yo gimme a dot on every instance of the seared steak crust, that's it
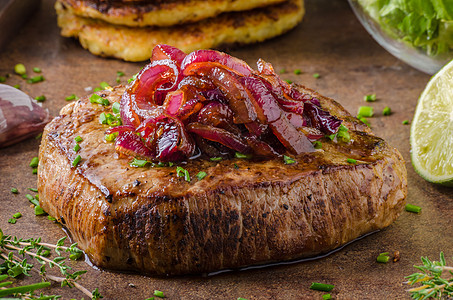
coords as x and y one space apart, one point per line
242 213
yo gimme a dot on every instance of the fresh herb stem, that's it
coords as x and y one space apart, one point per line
413 208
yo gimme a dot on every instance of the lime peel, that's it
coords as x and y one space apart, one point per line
431 135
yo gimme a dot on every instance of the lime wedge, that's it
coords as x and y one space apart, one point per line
432 129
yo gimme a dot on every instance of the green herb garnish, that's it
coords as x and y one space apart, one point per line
116 107
386 111
405 122
13 248
76 161
139 163
201 175
352 161
95 98
78 139
432 280
297 71
72 97
36 79
41 98
316 75
76 148
413 208
215 158
365 111
14 191
321 287
34 162
370 98
242 155
383 258
37 70
181 172
317 145
288 160
159 294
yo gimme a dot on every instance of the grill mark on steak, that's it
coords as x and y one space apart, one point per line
258 213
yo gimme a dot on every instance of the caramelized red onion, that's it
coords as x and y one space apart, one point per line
212 101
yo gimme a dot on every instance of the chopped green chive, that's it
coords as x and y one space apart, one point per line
201 175
297 71
36 79
41 98
282 71
109 119
97 89
72 97
316 75
352 161
365 111
32 199
370 98
240 298
386 111
37 70
364 120
413 208
288 160
2 78
111 137
215 158
33 190
12 221
289 81
34 162
405 122
38 136
116 107
383 258
159 294
14 191
24 76
17 215
104 85
150 298
321 287
317 145
132 78
236 166
20 69
34 171
39 211
343 134
241 155
78 139
76 148
76 161
119 73
17 86
51 218
180 172
138 163
95 98
326 297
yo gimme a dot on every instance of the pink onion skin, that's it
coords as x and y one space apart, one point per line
129 143
161 52
199 56
238 97
219 135
20 116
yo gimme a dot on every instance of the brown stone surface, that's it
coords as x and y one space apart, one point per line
331 42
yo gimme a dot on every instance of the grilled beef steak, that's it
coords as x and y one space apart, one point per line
242 213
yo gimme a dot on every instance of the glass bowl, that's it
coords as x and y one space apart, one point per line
394 41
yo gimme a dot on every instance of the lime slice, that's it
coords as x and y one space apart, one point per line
432 129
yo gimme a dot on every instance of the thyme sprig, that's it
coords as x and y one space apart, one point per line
15 253
434 283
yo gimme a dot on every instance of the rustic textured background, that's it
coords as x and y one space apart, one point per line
329 41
